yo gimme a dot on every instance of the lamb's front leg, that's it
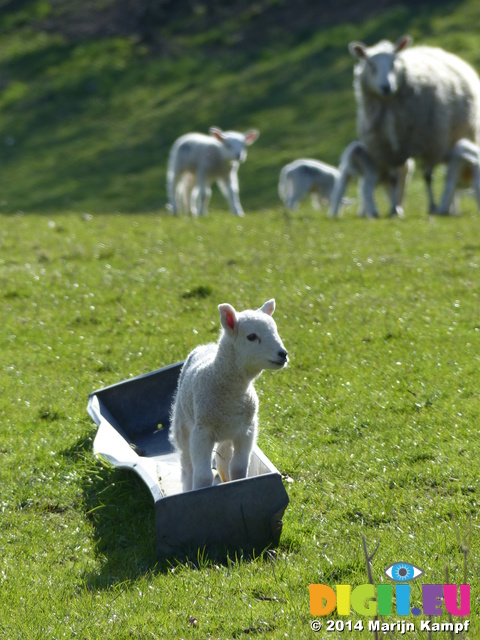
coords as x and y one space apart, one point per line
201 448
242 448
231 191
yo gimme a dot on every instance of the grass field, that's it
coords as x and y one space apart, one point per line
374 424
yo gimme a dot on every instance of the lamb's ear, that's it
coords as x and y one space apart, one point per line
251 136
358 50
228 318
402 43
268 307
216 133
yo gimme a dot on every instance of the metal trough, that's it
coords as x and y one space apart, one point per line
133 424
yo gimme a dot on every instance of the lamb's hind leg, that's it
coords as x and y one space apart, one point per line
187 470
223 456
180 439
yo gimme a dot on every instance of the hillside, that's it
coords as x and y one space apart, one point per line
93 94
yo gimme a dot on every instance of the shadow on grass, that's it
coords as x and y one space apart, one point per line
121 510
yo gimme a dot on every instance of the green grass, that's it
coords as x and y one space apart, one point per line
374 424
87 126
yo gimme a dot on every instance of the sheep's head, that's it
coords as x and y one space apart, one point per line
379 67
234 143
255 338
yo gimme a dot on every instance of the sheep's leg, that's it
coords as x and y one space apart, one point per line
315 201
427 174
362 211
202 194
230 189
464 152
367 187
393 189
223 456
187 470
299 187
291 200
172 191
398 190
338 192
476 183
242 448
194 202
293 195
453 173
201 448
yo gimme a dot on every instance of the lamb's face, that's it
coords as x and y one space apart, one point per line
234 146
233 143
257 343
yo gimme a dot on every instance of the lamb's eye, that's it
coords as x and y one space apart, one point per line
252 337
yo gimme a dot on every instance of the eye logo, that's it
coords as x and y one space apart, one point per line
403 572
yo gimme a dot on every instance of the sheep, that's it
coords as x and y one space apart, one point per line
215 401
463 168
304 176
356 162
196 160
414 103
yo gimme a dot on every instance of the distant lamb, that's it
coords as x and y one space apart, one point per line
414 103
463 169
357 163
215 401
304 176
196 160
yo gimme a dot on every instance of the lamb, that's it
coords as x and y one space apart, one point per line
216 402
304 176
414 103
356 162
196 160
463 168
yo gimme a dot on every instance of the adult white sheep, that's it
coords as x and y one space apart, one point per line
414 103
216 402
196 160
304 176
356 162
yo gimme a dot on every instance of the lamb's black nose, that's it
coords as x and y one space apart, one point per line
283 354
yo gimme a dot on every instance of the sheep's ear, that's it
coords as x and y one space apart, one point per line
251 136
268 307
358 50
216 133
228 318
402 43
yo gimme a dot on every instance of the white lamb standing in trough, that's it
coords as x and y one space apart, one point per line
415 103
215 401
356 162
197 160
301 177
